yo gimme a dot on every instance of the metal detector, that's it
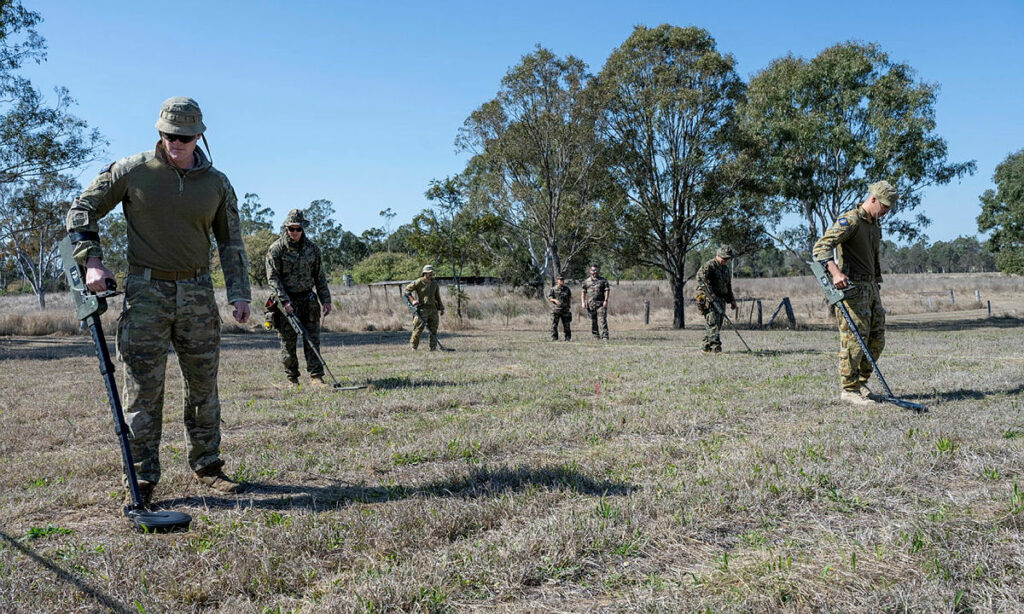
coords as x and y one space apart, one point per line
89 306
301 331
721 310
835 296
415 309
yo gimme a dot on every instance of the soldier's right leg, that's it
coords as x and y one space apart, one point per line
709 324
593 321
417 330
143 340
289 358
602 316
555 317
851 355
434 322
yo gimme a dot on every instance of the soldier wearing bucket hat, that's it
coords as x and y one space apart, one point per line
849 250
714 289
428 299
295 271
173 200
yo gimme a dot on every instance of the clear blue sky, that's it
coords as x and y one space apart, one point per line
360 102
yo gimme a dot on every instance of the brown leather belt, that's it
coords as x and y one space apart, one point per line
166 275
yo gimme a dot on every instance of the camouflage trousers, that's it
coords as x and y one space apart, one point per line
598 315
565 317
307 310
418 325
865 307
713 327
155 316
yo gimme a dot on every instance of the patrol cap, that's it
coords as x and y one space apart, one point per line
884 192
295 218
725 251
428 269
181 115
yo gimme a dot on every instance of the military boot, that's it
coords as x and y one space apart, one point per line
853 397
145 490
213 476
317 380
293 380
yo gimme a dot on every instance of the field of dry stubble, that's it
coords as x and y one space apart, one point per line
516 474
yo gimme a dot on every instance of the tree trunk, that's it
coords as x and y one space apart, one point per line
678 283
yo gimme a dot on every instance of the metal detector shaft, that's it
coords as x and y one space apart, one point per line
120 426
724 315
835 296
419 314
301 331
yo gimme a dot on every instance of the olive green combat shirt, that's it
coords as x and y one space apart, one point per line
294 268
428 294
170 215
715 277
855 239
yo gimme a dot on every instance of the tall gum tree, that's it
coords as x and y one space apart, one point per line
830 126
537 163
668 98
1002 212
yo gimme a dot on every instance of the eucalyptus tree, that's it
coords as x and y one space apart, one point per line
1002 213
537 164
668 98
830 126
32 224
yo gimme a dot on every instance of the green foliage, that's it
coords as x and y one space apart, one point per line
669 97
824 129
383 266
48 530
961 255
257 244
1002 213
254 216
325 232
538 164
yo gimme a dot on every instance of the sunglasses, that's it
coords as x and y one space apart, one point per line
294 229
179 137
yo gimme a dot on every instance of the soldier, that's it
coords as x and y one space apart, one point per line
715 282
173 199
293 270
428 298
594 298
560 297
855 238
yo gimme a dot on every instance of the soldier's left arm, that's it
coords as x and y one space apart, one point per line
227 229
440 305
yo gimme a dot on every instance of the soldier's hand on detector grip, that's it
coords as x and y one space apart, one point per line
840 281
241 311
734 305
288 308
96 275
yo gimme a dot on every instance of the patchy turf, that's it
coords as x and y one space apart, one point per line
517 474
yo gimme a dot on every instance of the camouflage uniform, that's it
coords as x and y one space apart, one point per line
715 280
168 295
856 238
562 312
294 269
428 294
595 292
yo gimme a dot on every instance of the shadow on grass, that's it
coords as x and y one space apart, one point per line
388 383
966 395
480 482
953 325
75 580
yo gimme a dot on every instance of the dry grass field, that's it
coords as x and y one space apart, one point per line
520 475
